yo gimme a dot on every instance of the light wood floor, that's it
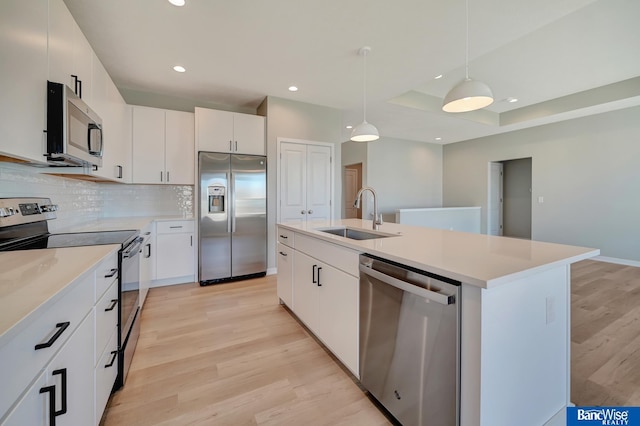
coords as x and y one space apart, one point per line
230 355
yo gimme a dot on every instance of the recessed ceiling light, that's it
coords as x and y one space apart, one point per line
177 2
437 77
179 68
438 139
293 89
512 100
349 127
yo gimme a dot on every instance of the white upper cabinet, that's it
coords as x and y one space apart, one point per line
70 53
163 146
23 66
223 131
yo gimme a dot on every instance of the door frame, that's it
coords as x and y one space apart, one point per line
279 141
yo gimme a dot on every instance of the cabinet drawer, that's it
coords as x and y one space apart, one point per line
106 319
21 361
106 274
105 374
173 227
332 254
286 237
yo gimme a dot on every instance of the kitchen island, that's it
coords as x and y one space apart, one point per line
515 304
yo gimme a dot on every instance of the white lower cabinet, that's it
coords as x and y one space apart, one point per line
325 298
175 253
147 262
66 382
106 371
285 274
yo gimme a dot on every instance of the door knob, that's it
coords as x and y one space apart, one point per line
310 211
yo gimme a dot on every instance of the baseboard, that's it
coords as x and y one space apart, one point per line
559 419
272 271
617 260
172 281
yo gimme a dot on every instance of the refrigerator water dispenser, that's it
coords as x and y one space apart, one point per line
216 198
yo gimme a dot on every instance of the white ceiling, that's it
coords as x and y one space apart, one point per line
237 52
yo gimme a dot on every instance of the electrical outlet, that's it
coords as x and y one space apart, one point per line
551 309
540 199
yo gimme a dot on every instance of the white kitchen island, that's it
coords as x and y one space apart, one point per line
515 306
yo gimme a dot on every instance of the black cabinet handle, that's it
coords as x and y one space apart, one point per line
80 91
51 390
75 84
114 302
236 146
313 274
113 359
63 389
192 241
283 253
284 237
148 248
62 326
319 269
111 273
119 172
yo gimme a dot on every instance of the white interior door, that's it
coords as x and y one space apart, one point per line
494 216
318 182
293 182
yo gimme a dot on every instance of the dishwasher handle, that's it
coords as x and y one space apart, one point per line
443 299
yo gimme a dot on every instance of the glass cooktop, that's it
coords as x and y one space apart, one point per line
73 240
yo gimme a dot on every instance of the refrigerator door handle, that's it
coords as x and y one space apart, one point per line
228 200
232 182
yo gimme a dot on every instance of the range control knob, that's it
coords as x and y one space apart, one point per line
6 211
48 208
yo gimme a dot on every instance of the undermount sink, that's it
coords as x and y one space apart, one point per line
355 234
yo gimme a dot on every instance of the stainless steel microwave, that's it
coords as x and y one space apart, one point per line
74 131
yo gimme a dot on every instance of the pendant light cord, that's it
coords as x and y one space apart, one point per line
364 85
466 55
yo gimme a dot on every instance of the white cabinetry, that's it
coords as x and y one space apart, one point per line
325 294
50 367
163 146
306 172
285 247
23 66
147 260
224 131
70 54
175 254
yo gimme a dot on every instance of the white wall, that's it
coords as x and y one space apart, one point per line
586 169
404 174
82 201
297 120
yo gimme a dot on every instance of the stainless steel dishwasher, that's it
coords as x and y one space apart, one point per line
410 342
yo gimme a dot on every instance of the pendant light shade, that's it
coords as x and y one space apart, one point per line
364 132
468 95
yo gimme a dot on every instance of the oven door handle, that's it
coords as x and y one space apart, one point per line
133 249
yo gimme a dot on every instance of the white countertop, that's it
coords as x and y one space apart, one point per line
477 259
32 279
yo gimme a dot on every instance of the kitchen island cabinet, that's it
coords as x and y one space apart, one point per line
515 335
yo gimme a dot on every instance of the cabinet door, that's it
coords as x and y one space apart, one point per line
214 130
75 360
338 317
318 190
305 291
285 274
148 145
82 63
248 134
33 408
293 183
23 67
61 43
179 147
175 255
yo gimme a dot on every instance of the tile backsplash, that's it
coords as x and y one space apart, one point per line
81 201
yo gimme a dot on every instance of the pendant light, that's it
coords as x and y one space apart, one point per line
364 132
468 95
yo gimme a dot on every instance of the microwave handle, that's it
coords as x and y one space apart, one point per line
94 127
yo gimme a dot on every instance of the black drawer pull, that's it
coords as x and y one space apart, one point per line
111 273
319 269
283 253
284 236
114 302
63 389
175 227
62 326
313 274
113 359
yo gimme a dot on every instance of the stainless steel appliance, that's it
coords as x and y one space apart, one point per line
232 217
410 342
74 131
23 226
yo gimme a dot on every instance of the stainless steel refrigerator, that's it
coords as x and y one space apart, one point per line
232 217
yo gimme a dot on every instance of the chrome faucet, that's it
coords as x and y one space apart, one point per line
377 221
